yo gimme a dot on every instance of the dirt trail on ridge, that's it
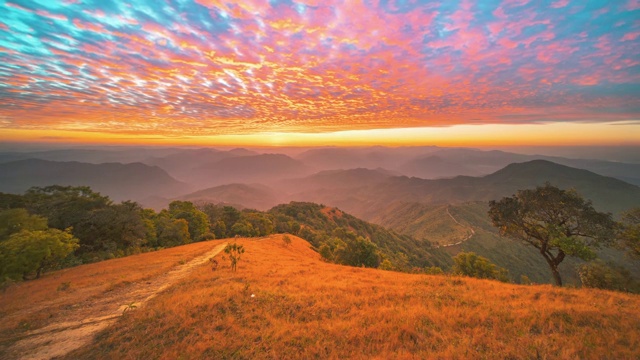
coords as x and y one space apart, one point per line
470 233
78 328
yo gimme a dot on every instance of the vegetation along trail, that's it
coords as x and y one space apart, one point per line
71 330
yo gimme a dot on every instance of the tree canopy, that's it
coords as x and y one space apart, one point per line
27 251
630 232
470 264
558 223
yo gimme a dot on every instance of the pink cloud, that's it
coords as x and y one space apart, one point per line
560 4
631 36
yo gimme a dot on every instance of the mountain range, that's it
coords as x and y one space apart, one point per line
133 181
440 204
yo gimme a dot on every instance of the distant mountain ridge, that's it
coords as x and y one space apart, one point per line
607 194
428 162
262 168
134 181
257 197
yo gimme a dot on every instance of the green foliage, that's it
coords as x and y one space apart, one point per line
15 220
243 228
235 252
197 221
171 232
27 252
629 236
12 201
358 252
320 225
114 228
64 206
433 270
597 274
286 240
386 265
470 264
556 222
524 280
128 307
261 223
326 252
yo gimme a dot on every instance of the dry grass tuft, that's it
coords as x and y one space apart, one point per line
284 302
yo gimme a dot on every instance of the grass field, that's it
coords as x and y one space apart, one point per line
285 303
33 304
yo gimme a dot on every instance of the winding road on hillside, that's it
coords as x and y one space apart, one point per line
78 328
471 233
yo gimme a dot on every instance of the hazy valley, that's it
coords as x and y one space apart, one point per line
417 209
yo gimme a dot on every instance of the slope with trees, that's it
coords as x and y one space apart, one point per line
558 223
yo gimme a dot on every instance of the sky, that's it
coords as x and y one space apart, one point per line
321 72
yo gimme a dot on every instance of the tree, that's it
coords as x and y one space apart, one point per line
358 252
629 236
470 264
36 251
15 220
64 206
243 228
235 251
554 221
262 223
114 228
171 232
197 220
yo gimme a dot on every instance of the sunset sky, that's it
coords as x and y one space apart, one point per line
321 72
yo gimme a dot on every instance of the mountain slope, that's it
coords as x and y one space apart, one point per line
181 164
320 223
433 167
336 179
263 168
284 302
607 194
249 196
133 181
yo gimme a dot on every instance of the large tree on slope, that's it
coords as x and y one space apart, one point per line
558 223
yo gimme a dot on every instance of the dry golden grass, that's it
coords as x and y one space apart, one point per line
285 303
31 305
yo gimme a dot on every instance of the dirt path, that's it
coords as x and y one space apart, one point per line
78 328
471 233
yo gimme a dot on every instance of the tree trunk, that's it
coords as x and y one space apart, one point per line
553 264
556 275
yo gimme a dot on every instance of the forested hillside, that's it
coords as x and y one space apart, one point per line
77 225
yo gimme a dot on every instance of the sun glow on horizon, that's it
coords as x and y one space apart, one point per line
553 134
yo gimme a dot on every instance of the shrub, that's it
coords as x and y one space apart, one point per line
597 274
286 240
470 264
235 251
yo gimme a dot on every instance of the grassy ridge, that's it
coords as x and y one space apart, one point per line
50 296
284 302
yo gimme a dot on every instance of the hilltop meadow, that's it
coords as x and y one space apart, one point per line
284 301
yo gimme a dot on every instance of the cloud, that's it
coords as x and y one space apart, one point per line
221 67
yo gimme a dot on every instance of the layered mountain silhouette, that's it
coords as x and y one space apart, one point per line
263 168
254 196
607 194
133 181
